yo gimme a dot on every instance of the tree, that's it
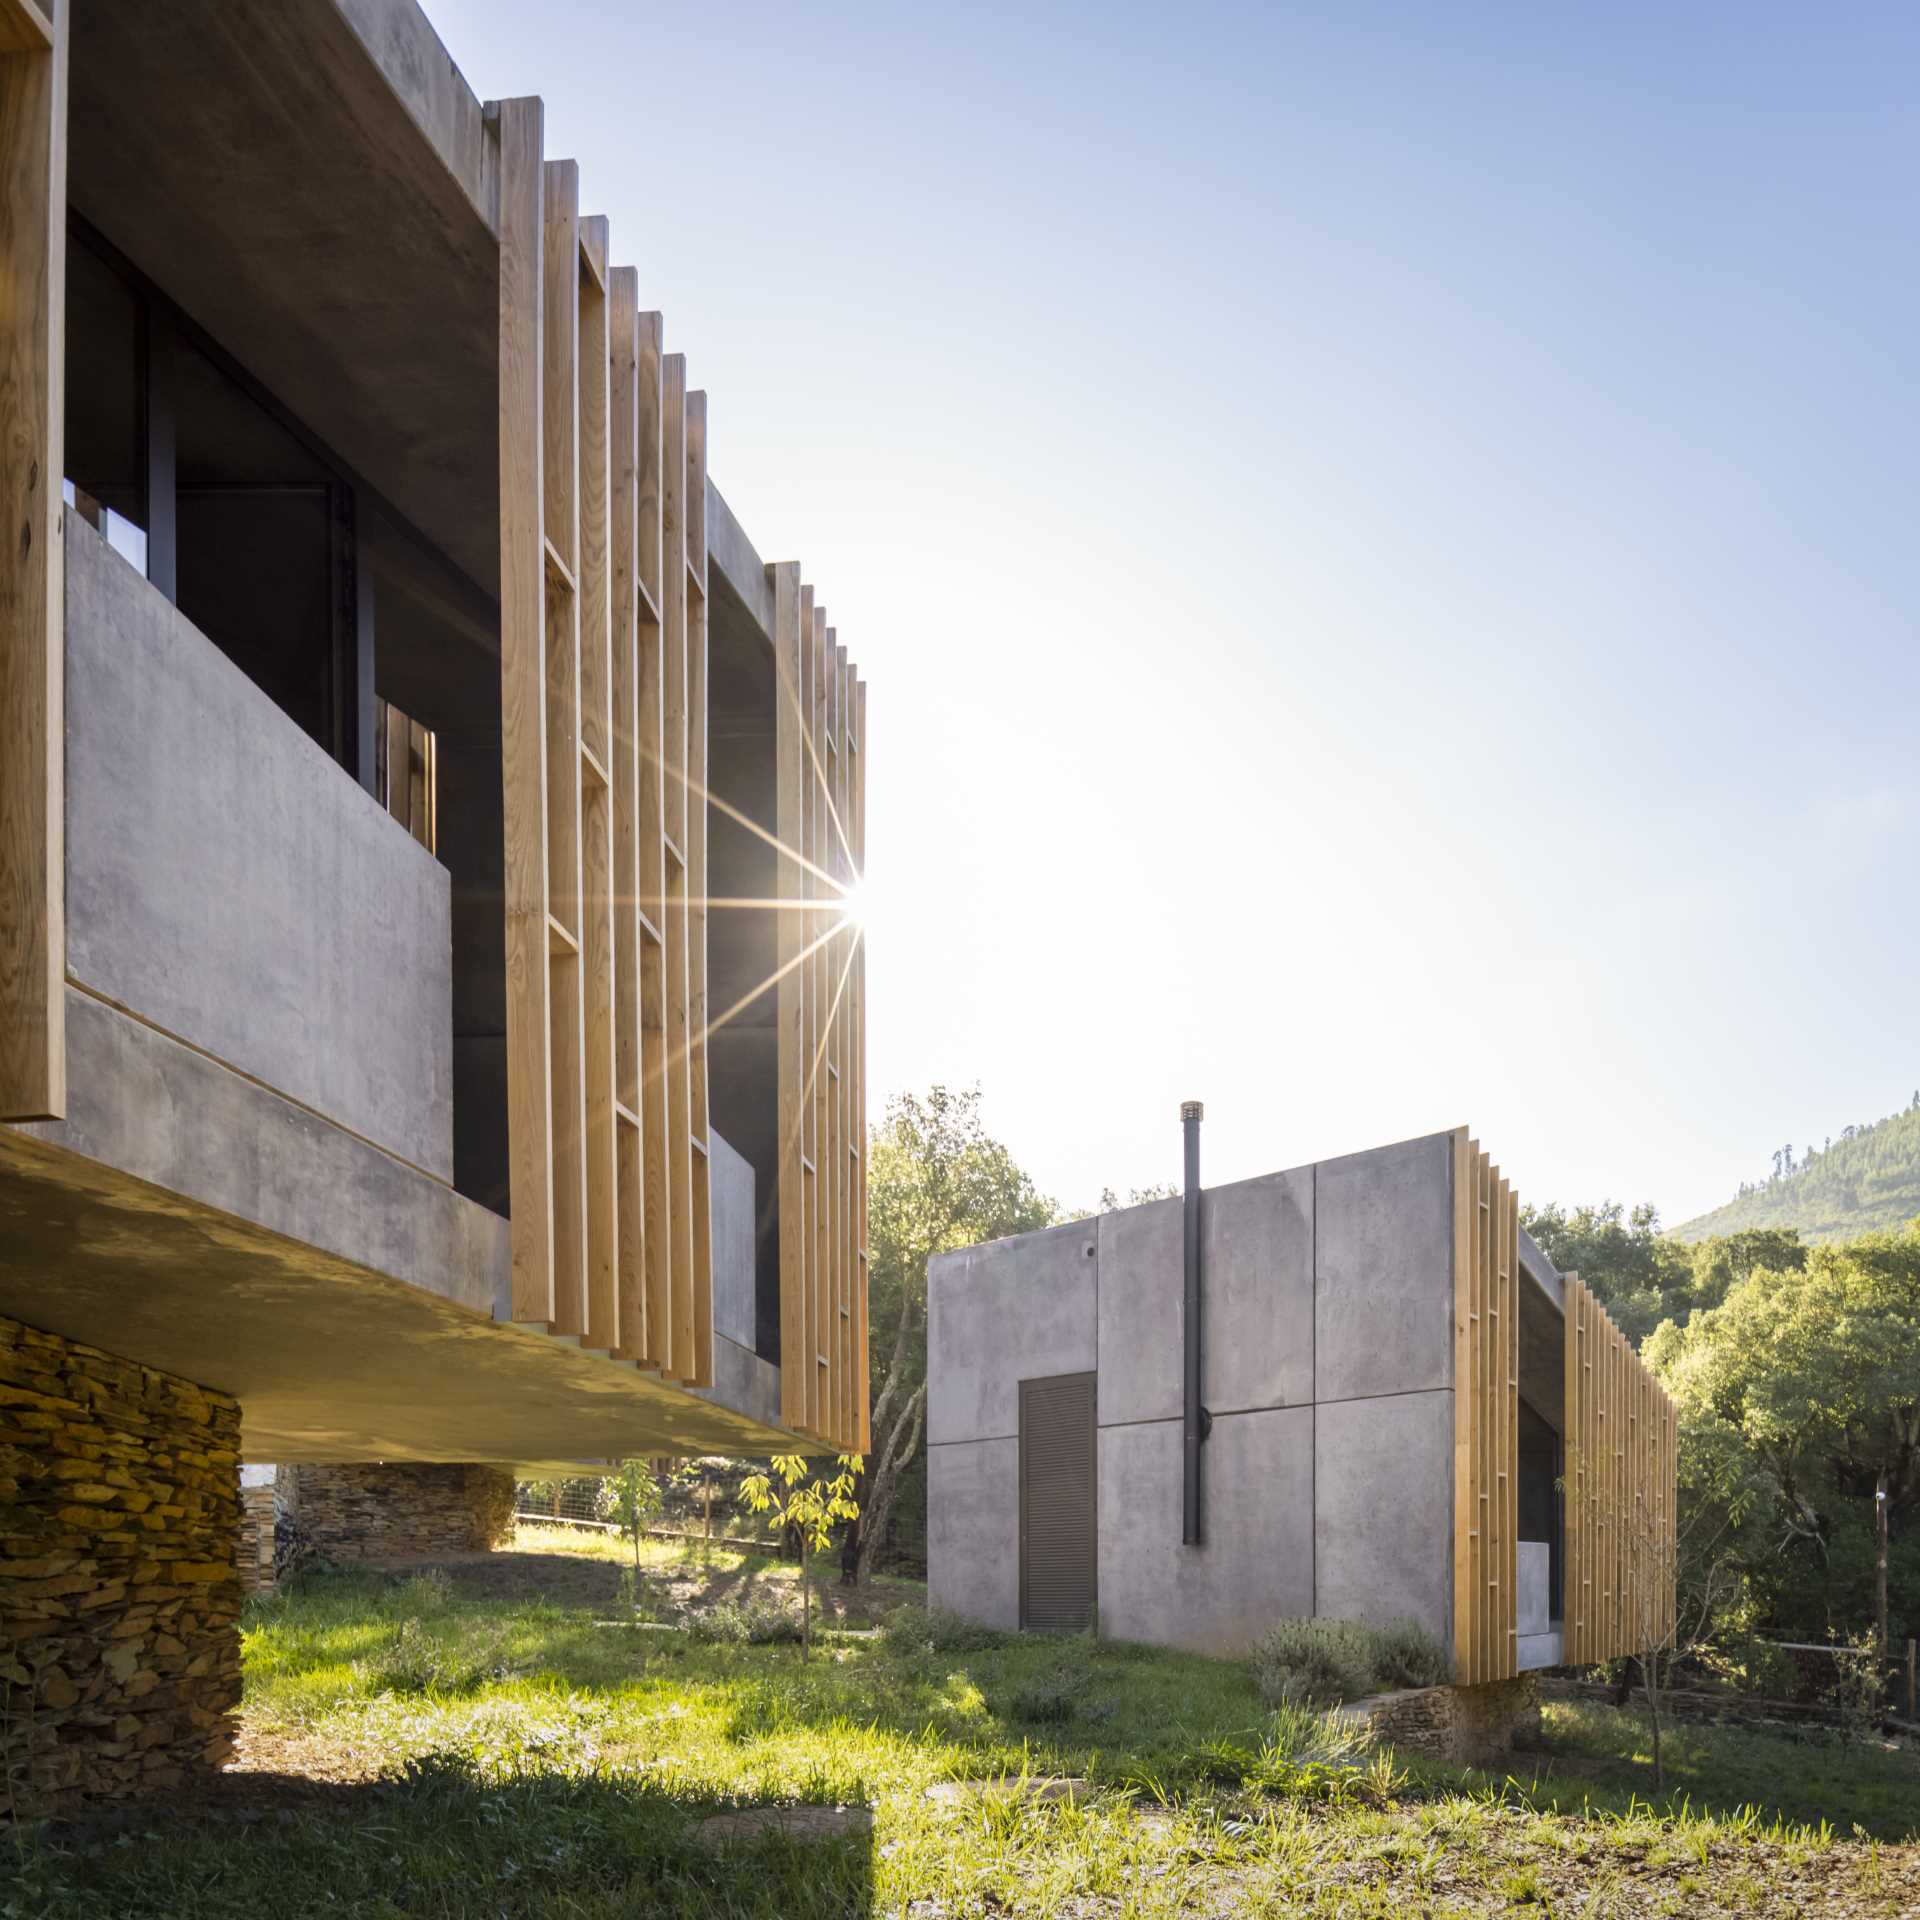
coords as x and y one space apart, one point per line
630 1497
1110 1202
1810 1378
810 1507
936 1180
1638 1276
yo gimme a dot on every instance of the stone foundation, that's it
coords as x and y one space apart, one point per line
257 1538
401 1511
119 1595
1464 1726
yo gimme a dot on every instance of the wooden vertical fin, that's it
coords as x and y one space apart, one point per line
33 267
623 319
594 581
792 936
696 852
523 726
863 1381
566 987
683 1363
649 398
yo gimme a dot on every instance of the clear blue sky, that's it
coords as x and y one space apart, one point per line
1382 539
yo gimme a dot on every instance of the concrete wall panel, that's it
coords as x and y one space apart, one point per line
1383 1309
1258 1252
973 1530
1383 1510
1141 1323
1011 1310
731 1184
229 883
1257 1562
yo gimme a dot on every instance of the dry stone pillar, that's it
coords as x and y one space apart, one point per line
402 1510
119 1591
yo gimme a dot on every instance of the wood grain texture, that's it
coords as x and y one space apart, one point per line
523 727
863 1390
699 1113
560 292
26 27
683 1363
649 374
623 311
1486 1372
599 988
594 572
33 220
790 1004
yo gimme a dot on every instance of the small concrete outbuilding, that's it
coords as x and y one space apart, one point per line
1400 1411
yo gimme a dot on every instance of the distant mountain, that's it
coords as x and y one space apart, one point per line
1863 1180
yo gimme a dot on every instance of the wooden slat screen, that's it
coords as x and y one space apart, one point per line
1621 1459
1618 1442
820 771
33 230
1058 1502
604 682
1486 1402
406 777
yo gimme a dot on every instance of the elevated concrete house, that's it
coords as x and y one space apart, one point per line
1354 1389
431 1024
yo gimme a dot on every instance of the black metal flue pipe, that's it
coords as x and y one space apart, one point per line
1196 1415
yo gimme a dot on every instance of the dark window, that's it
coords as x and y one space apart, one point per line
106 421
220 499
1058 1528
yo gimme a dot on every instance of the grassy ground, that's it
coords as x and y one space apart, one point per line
502 1742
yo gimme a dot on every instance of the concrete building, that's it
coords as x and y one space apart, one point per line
1390 1382
386 691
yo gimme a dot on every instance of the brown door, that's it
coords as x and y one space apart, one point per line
1057 1502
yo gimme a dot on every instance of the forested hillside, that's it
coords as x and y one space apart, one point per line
1863 1180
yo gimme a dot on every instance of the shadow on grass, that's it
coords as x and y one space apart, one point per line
438 1838
1602 1755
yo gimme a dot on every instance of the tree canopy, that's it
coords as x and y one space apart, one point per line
936 1181
1796 1392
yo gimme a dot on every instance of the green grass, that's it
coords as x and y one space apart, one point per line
512 1753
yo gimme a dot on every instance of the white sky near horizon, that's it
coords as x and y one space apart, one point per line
1381 540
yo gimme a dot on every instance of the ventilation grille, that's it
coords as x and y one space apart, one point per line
1057 1502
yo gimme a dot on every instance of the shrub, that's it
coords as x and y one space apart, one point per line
413 1661
1321 1663
1405 1655
1316 1663
915 1630
429 1591
761 1623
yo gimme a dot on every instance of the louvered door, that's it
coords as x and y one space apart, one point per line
1057 1502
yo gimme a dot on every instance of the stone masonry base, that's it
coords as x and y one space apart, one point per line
119 1596
1464 1726
401 1511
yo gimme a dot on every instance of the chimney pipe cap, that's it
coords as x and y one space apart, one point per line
1192 1110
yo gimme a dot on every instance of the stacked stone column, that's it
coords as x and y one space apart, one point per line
119 1592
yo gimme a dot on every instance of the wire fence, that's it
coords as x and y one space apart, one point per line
699 1501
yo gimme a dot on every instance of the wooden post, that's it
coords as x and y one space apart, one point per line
1913 1680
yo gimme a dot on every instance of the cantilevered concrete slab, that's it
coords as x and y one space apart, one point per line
344 1298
